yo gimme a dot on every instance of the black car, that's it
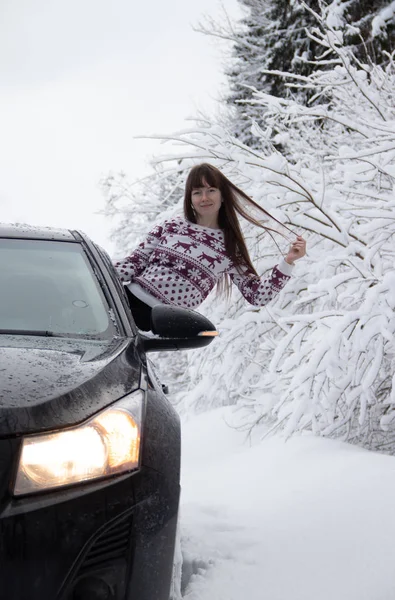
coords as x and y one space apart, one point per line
89 443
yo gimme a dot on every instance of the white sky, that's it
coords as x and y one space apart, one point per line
78 80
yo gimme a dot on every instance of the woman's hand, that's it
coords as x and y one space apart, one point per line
296 251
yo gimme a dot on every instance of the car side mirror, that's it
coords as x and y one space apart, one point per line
175 328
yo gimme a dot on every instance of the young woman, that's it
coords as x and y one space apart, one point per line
182 259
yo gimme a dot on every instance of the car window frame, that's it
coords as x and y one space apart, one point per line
110 284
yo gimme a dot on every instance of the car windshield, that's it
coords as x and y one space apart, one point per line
49 288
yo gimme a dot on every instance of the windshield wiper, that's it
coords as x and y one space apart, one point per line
42 333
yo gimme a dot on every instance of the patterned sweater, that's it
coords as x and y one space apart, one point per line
180 263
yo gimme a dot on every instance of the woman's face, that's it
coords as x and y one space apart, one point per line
206 200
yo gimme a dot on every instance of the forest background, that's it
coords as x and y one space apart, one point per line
307 129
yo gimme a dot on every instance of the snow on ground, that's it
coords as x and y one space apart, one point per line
303 519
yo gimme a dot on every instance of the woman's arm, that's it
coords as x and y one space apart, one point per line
258 291
131 266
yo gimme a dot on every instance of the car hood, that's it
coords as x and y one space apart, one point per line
48 383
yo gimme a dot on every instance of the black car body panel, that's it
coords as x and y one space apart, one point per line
108 538
50 383
29 232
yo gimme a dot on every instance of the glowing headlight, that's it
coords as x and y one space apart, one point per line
107 444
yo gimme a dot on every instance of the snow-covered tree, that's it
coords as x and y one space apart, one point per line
322 356
370 29
272 39
136 206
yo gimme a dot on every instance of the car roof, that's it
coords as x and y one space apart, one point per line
32 232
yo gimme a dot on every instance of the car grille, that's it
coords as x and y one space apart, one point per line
110 546
106 559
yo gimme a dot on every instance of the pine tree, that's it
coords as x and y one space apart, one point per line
372 34
272 37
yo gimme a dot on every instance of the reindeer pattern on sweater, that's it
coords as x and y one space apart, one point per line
180 263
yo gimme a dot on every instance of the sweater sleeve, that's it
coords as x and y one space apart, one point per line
134 264
258 291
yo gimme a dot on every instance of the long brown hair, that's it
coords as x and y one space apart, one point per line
235 244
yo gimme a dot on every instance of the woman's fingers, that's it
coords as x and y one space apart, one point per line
299 246
297 249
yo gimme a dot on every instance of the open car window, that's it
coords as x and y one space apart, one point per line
49 286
